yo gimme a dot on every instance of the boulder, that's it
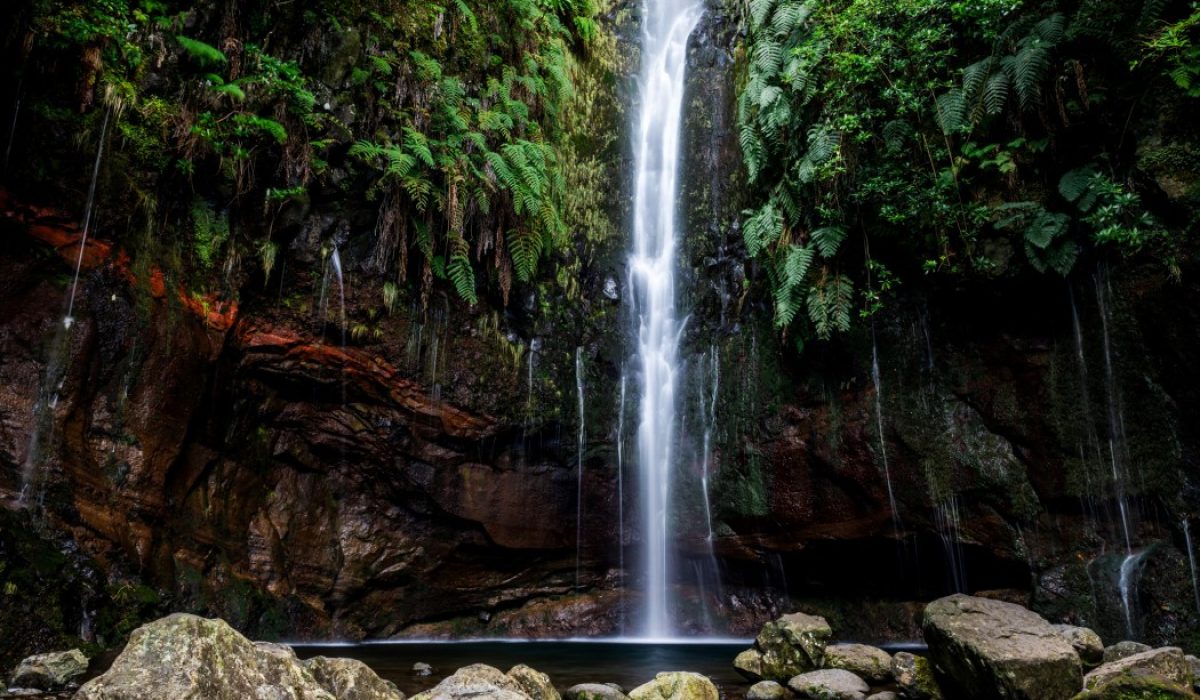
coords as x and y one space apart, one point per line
993 650
474 682
422 669
829 684
1121 650
1129 687
594 691
536 684
914 677
1167 664
1085 642
1194 663
885 695
786 647
872 664
185 657
351 679
767 690
676 685
53 671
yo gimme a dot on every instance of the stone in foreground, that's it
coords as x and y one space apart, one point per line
1167 664
53 671
885 695
594 691
766 690
1125 649
536 684
475 681
185 657
351 679
1136 688
676 685
914 677
1085 641
830 684
786 647
992 650
872 664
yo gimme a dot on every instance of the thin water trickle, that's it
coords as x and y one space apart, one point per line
887 472
1117 445
708 417
68 319
621 493
12 127
652 263
1191 552
949 527
1130 570
579 467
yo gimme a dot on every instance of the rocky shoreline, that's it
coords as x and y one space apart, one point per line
978 649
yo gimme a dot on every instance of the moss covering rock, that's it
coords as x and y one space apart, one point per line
676 685
786 647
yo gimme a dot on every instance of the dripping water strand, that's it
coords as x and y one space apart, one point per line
12 127
579 467
1187 539
1116 418
68 320
887 473
621 494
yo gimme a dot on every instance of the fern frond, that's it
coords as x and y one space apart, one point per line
827 240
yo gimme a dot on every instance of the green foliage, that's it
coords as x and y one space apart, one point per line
205 55
210 231
941 128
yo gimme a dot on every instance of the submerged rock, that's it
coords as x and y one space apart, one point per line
992 650
1085 641
676 685
914 677
351 679
830 684
422 669
1122 650
185 657
536 684
52 671
767 690
786 647
869 663
594 691
476 681
1167 664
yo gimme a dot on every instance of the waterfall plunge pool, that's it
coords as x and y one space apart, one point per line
628 663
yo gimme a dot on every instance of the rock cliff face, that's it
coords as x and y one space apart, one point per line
415 479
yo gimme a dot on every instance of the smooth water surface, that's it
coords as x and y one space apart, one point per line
567 663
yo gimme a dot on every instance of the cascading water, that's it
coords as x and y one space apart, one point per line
1131 568
579 466
621 491
667 26
708 417
1117 445
1191 552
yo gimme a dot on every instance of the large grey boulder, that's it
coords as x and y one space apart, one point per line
536 684
1085 642
185 657
829 684
594 691
351 679
475 682
1122 650
676 685
872 664
1128 687
767 690
786 647
1167 664
53 671
884 695
992 650
914 677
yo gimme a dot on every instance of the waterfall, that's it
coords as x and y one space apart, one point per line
579 462
68 319
652 263
1187 539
